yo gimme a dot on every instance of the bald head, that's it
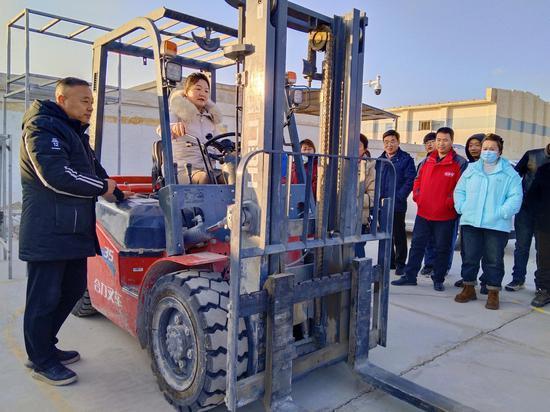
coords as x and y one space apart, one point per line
74 96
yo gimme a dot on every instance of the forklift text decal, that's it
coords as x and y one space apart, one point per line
107 292
108 258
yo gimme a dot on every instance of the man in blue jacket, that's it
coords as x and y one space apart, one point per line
61 180
405 174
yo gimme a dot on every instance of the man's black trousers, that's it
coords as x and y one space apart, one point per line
53 288
399 250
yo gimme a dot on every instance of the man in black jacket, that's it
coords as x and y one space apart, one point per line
538 198
61 180
524 222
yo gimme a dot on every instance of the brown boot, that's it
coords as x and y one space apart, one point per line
492 300
468 293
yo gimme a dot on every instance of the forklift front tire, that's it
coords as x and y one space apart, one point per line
188 338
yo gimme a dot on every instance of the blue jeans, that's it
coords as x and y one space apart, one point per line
442 233
524 225
485 246
429 255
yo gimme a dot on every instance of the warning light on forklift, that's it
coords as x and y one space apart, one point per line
291 78
169 48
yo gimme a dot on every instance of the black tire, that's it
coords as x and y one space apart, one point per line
187 338
83 307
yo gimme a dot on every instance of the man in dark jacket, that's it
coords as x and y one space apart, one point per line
539 201
436 216
61 180
524 223
405 174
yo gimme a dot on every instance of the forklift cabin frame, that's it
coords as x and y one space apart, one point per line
349 295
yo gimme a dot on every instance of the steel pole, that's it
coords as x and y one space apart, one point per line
10 217
119 114
27 59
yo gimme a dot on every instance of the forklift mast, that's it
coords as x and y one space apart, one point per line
292 254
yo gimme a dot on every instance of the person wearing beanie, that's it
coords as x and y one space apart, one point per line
473 147
487 197
524 223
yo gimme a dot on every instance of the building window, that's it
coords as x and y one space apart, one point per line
425 125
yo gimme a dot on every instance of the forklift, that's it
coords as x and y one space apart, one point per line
237 289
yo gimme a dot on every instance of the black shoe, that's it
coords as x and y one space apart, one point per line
400 270
438 286
66 357
404 281
459 283
483 289
542 298
56 375
427 271
514 286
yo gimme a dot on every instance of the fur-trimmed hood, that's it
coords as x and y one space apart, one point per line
187 111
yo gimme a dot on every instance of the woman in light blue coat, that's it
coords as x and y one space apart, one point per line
487 197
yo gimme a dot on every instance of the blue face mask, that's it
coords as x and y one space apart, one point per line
489 156
305 159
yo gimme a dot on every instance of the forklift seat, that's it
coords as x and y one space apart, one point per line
156 172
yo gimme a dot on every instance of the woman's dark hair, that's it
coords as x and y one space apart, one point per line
491 137
193 79
308 142
364 140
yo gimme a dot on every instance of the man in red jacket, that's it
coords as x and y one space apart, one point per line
436 217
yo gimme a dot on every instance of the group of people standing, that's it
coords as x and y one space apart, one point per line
480 197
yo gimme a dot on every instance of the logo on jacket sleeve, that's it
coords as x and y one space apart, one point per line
449 174
55 144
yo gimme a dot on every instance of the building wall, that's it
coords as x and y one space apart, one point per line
521 118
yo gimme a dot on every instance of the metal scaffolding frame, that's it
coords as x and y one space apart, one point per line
27 86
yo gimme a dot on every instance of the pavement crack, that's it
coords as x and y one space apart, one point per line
439 355
462 343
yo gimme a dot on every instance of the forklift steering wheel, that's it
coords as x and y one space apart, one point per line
214 141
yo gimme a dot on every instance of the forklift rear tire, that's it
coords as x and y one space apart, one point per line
188 338
83 307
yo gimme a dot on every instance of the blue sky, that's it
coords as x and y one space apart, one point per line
425 50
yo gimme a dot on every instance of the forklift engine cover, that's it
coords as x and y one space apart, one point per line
137 223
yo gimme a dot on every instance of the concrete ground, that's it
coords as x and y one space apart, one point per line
488 360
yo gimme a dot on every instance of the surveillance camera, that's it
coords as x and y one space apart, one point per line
375 84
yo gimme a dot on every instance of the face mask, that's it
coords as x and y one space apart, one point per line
489 156
305 159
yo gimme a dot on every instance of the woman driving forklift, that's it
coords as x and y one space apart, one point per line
194 117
